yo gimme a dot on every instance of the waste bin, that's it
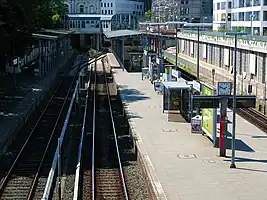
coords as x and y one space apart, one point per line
196 124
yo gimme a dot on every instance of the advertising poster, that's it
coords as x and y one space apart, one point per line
175 98
207 113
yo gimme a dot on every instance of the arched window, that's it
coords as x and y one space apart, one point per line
91 9
81 8
83 24
67 7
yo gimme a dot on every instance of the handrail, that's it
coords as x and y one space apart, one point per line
115 138
63 131
78 166
93 139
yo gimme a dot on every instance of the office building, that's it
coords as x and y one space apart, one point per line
247 15
182 10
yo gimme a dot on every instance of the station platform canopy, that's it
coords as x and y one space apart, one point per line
179 84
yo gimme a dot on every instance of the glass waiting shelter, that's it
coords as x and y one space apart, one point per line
173 96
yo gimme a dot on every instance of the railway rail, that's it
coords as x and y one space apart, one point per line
254 117
107 175
23 175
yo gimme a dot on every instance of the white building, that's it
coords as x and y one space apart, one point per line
248 15
85 15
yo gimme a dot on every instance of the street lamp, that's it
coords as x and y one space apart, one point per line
176 39
198 25
251 23
235 34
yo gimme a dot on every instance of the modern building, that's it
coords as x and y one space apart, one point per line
182 10
89 18
248 15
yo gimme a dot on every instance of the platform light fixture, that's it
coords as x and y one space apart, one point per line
235 35
198 25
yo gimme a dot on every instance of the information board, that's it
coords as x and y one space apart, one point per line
243 102
175 99
206 101
207 113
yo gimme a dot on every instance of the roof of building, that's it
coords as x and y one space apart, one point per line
176 85
43 36
57 31
122 33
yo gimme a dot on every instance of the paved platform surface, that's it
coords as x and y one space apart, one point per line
185 165
17 104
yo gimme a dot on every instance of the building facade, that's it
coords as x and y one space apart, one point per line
247 15
182 10
89 18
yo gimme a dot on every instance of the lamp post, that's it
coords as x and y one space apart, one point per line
176 39
236 34
251 23
198 35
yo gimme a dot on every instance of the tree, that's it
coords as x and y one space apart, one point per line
18 19
148 15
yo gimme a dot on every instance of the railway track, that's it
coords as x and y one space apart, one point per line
254 117
107 175
26 177
23 175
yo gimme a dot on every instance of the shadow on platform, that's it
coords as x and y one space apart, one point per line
132 95
251 170
240 160
240 145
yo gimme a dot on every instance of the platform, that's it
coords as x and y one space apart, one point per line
184 165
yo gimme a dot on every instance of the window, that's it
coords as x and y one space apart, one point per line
105 12
241 16
229 4
101 4
264 15
81 8
91 9
137 6
71 24
104 4
265 2
256 3
111 12
223 5
111 4
256 15
108 4
83 24
218 6
241 3
140 6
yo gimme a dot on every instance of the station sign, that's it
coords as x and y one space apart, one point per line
243 101
195 84
200 101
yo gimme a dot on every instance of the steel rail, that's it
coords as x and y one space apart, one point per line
50 139
63 131
115 136
93 139
5 179
78 166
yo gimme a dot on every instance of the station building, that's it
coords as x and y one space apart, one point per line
90 18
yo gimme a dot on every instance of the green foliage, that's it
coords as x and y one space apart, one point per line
20 18
148 14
